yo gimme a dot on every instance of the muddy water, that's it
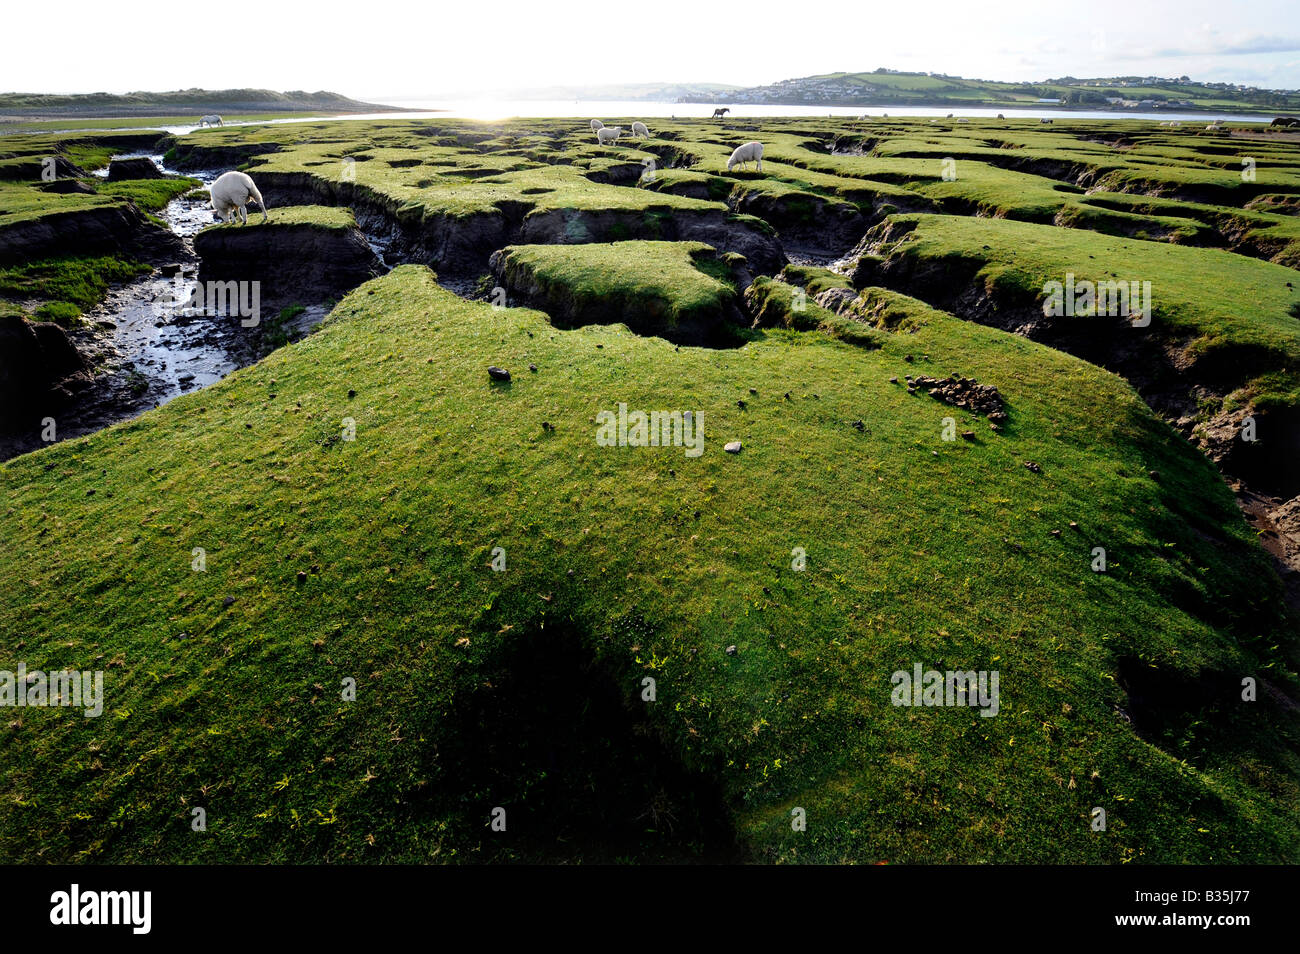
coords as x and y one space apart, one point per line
146 348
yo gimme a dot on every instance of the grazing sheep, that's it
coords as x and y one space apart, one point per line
721 112
607 134
232 192
640 131
212 119
1000 116
749 152
597 125
1046 122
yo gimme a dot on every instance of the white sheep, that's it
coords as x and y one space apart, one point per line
607 134
232 192
640 131
749 152
212 119
597 125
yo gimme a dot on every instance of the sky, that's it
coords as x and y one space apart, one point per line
382 51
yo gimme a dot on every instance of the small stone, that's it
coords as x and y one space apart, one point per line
1073 525
532 368
893 380
302 576
741 404
1153 474
907 357
787 396
860 425
1033 467
731 650
968 435
1056 533
753 390
352 392
227 602
498 374
732 447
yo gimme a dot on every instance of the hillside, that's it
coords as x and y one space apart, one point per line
893 88
91 105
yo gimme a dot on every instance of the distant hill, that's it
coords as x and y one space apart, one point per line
93 105
1126 93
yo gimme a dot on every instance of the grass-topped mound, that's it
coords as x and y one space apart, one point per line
368 510
326 217
301 254
682 291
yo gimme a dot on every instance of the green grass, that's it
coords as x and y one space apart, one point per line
652 563
60 312
1214 301
671 280
321 216
149 194
81 282
329 558
21 203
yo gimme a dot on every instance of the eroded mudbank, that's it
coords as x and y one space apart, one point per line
147 343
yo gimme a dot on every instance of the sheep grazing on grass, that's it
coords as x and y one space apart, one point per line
608 134
211 119
640 130
1000 116
597 125
1046 122
231 193
749 152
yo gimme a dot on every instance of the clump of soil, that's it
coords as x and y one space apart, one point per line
965 393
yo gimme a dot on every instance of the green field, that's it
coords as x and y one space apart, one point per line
355 597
